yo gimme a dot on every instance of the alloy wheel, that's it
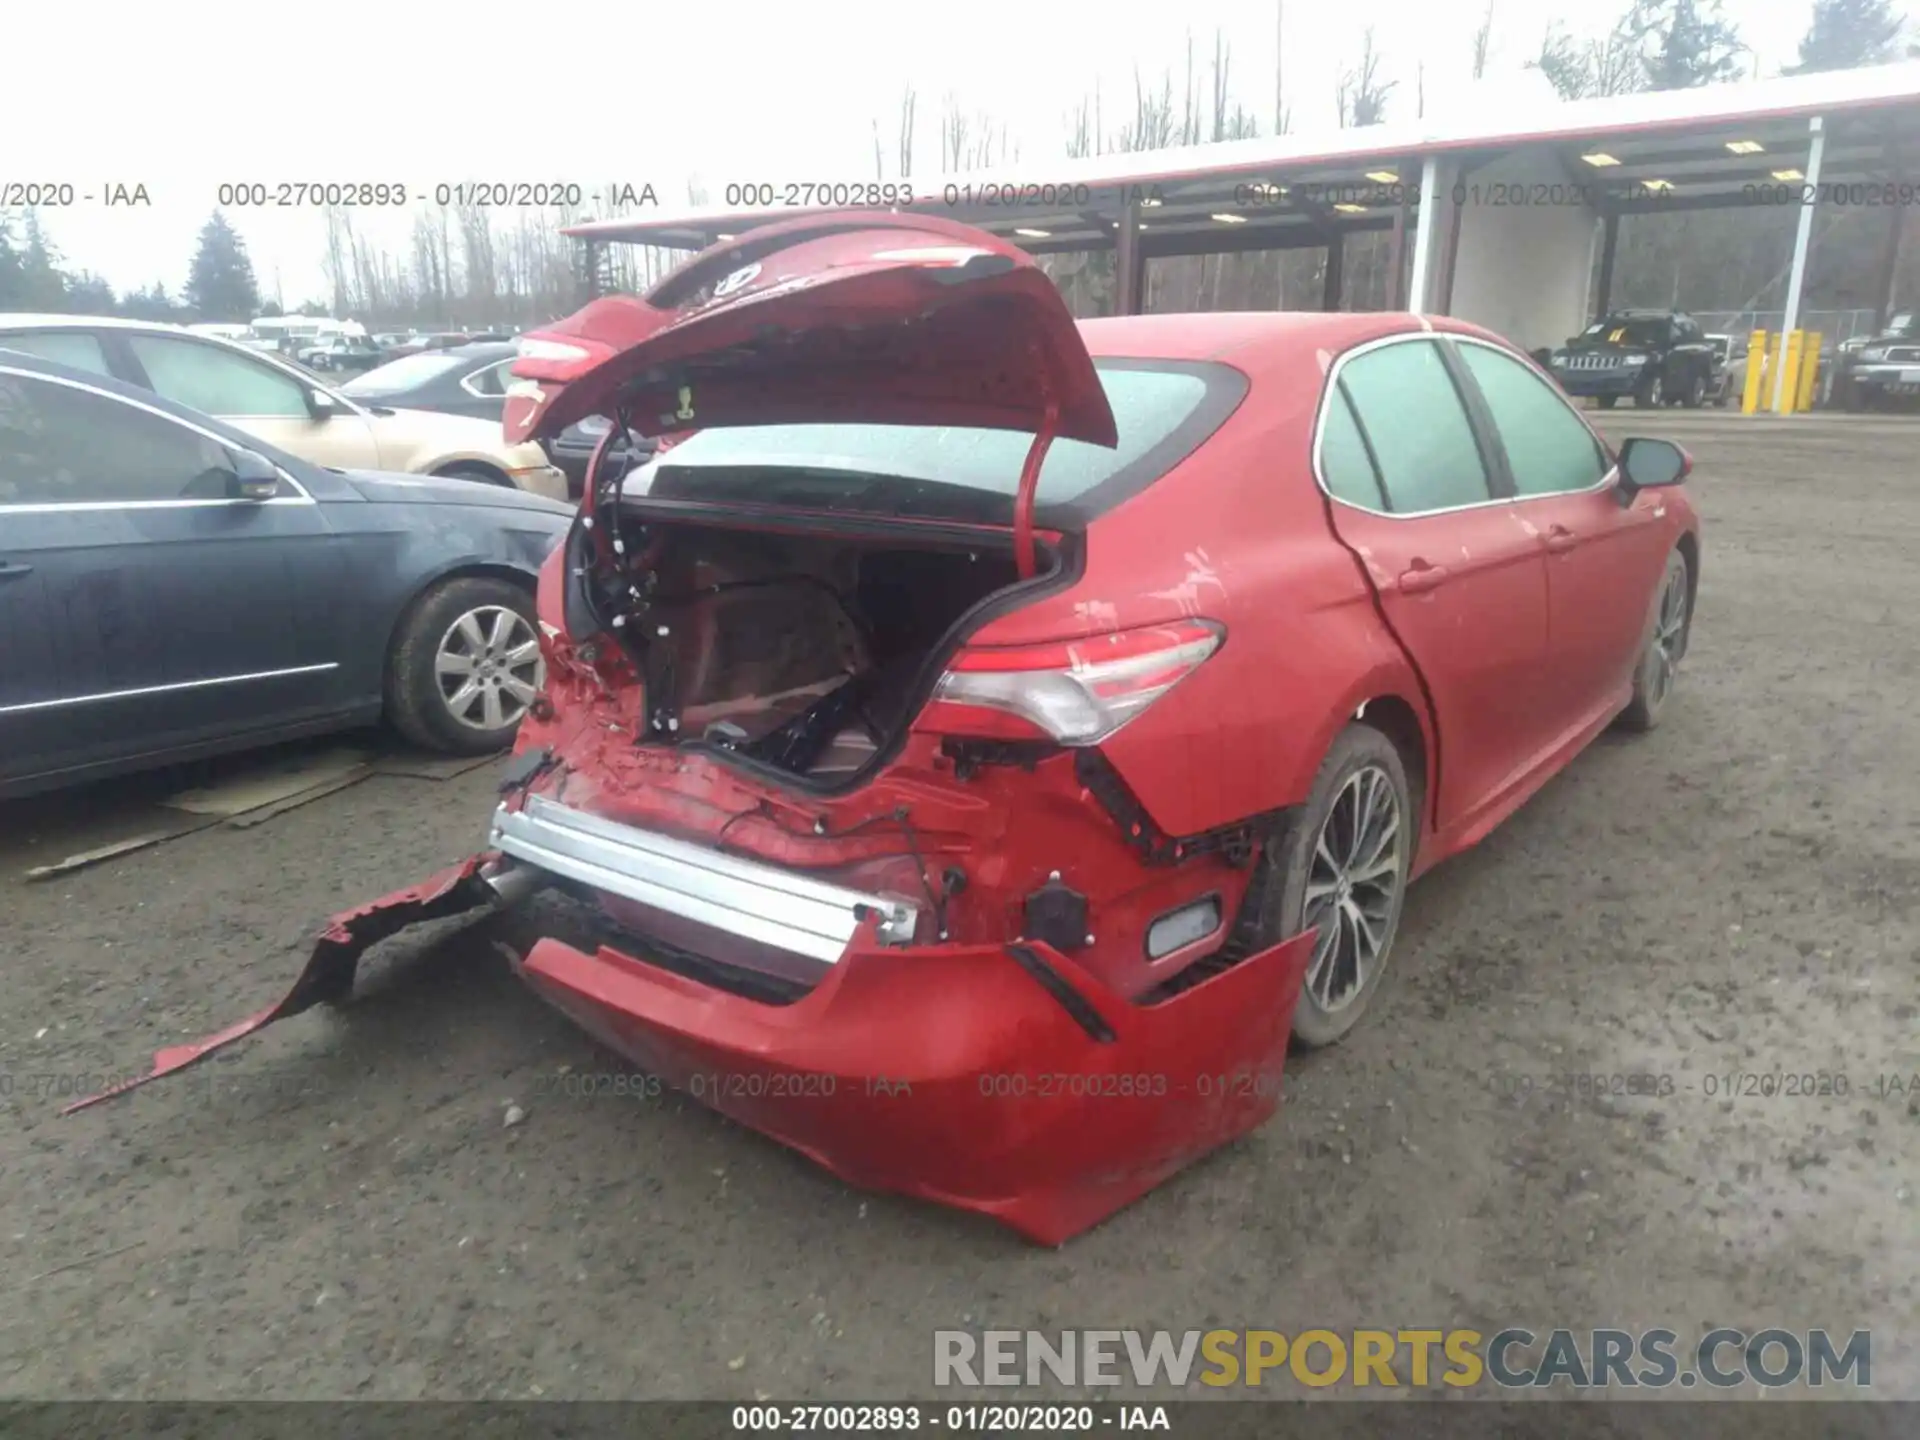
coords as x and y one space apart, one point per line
488 667
1353 887
1669 635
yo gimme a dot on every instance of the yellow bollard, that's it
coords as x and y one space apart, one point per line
1809 371
1788 392
1757 345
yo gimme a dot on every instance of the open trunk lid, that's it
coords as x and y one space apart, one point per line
848 318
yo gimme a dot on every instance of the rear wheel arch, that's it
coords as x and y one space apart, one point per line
1689 547
1395 717
480 470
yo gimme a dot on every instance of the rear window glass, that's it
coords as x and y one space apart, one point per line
1163 411
404 374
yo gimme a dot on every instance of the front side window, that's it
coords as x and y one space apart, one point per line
1548 449
1412 416
62 445
216 380
80 349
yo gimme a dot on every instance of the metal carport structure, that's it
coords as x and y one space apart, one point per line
1498 219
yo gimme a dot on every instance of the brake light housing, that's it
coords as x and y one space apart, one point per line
1074 692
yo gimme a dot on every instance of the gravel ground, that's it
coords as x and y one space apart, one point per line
341 1211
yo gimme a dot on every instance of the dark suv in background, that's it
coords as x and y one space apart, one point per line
1659 357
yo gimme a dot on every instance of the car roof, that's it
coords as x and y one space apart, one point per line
18 321
1227 335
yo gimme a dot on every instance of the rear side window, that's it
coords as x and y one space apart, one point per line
1163 409
1344 462
1549 451
1413 418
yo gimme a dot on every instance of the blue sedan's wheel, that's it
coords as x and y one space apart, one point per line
465 666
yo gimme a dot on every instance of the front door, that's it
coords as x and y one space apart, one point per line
1604 560
253 395
143 609
1460 581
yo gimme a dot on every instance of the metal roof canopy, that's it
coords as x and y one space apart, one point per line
1220 198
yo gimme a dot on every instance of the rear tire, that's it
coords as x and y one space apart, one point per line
1696 393
1663 649
460 662
1355 882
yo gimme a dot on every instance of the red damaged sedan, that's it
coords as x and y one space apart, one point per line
991 738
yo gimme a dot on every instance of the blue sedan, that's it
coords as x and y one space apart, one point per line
171 588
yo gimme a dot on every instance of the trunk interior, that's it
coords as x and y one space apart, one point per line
804 652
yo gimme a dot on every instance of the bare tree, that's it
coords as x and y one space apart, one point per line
1577 70
905 156
1282 120
956 129
1362 94
1483 43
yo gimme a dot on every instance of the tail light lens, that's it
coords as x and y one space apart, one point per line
1075 692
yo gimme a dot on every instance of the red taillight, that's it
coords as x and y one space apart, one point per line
1075 692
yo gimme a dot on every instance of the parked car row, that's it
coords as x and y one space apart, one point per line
276 403
173 586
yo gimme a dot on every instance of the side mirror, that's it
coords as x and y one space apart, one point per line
253 477
320 405
1650 464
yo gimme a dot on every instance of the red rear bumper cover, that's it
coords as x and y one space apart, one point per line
958 1073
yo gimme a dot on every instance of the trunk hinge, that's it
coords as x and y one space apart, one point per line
1023 556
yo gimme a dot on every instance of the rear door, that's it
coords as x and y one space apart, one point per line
251 395
1460 580
142 610
1603 559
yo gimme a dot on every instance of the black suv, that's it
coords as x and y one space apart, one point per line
1659 357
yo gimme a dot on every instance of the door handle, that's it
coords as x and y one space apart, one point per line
1560 539
9 569
1422 576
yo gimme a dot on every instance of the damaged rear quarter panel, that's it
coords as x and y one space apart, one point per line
1236 533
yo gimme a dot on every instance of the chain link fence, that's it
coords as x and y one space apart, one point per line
1833 325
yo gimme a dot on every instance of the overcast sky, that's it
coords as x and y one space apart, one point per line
184 96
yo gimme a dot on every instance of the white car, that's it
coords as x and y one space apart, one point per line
268 398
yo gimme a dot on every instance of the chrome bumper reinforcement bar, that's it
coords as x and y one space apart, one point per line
738 897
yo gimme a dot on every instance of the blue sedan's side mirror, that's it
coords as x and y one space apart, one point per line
254 477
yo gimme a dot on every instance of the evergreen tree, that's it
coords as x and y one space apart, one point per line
220 285
1684 43
1848 33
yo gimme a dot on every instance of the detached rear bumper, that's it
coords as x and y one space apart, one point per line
1000 1079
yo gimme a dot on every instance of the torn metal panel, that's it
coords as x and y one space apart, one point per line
328 974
